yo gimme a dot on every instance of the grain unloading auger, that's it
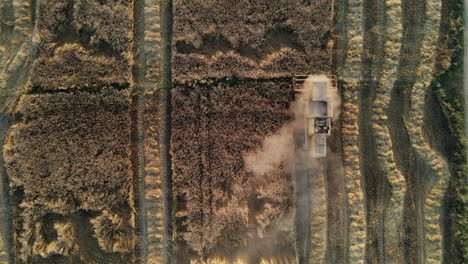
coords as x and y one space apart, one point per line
317 92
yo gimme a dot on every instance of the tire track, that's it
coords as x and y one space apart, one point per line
153 184
147 77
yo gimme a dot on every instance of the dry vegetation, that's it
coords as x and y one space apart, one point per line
217 201
83 43
70 152
392 34
251 39
350 74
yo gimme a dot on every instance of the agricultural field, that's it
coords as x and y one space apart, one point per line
172 132
257 39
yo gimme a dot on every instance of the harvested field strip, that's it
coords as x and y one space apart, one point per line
318 216
5 207
15 60
436 181
155 221
134 198
152 40
18 55
6 21
393 214
350 75
374 180
153 199
23 20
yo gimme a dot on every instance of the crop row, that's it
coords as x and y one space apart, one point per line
437 180
393 219
350 74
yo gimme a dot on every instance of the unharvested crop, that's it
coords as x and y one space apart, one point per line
218 202
251 39
69 152
82 43
72 66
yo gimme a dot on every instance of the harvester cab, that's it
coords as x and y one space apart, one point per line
317 93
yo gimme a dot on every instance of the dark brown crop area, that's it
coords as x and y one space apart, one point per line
69 153
214 123
251 38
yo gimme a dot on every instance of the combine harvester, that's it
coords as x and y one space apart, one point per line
317 96
318 92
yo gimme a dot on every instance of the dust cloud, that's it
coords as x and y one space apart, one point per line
287 146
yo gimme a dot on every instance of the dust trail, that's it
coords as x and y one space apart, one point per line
287 148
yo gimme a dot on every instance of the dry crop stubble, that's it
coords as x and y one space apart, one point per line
392 33
437 177
350 75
